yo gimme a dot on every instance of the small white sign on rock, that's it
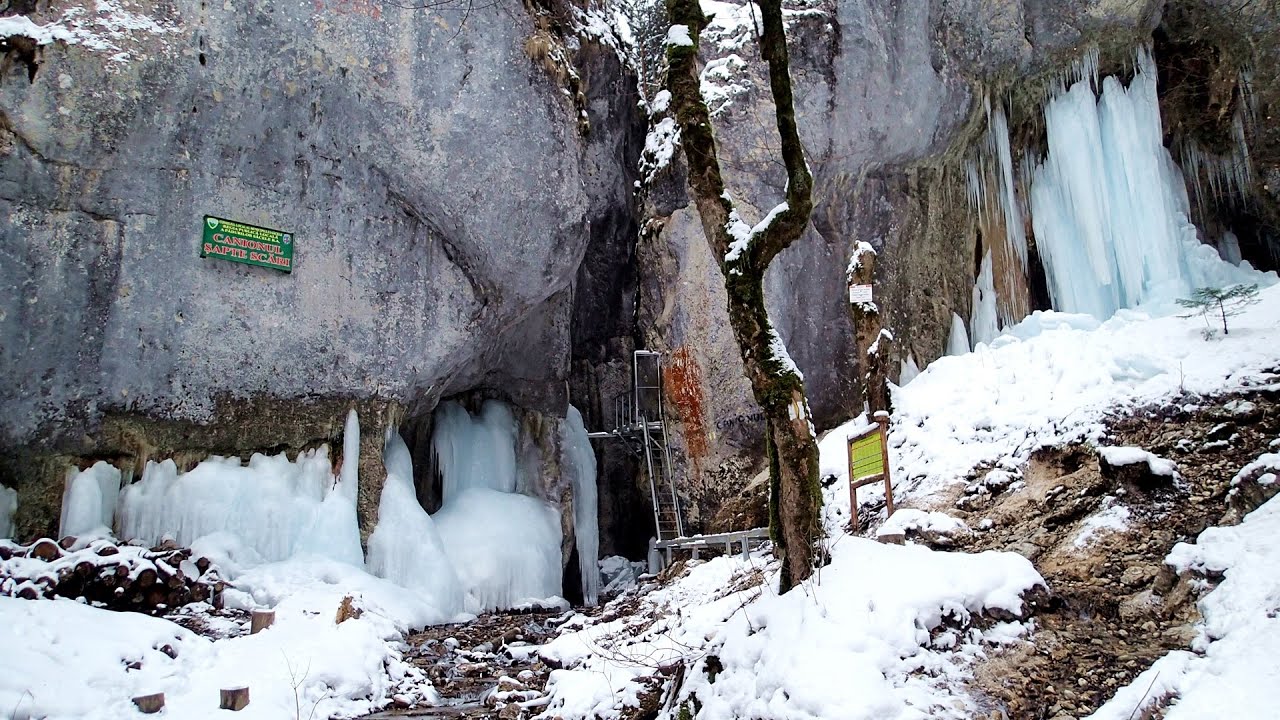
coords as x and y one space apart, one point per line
859 293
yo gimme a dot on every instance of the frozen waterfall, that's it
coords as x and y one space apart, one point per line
489 547
504 546
1109 206
89 500
477 452
275 508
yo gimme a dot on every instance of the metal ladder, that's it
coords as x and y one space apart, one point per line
662 486
650 412
640 421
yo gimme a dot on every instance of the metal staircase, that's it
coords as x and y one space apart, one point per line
640 422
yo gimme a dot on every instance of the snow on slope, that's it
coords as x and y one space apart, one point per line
110 26
1053 380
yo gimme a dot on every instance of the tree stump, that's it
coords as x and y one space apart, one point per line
148 704
234 698
261 620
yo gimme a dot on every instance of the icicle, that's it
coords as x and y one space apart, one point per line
983 321
475 452
1015 231
993 189
1249 99
580 461
1086 68
958 342
908 371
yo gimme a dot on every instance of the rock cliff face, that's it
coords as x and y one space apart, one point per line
889 98
439 185
464 200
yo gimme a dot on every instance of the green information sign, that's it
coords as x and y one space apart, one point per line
866 458
247 244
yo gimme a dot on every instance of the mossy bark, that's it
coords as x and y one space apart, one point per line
795 496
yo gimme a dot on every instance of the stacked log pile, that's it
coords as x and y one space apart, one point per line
107 574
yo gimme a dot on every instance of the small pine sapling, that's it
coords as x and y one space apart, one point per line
1226 303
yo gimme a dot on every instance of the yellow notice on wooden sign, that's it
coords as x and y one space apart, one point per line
865 456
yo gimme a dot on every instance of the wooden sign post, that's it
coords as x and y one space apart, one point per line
869 463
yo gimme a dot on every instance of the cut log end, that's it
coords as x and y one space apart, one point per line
148 704
236 698
261 620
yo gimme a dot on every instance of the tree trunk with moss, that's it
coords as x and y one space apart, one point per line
744 253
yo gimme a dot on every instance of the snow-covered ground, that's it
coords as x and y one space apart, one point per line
866 637
1053 380
63 659
883 631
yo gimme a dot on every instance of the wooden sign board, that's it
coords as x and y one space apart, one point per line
869 463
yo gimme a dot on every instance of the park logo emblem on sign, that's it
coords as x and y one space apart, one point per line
248 244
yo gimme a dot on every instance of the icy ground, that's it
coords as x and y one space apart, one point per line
883 631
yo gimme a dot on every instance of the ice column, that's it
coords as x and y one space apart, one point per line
580 462
505 547
958 342
89 501
1229 248
8 506
335 530
406 547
